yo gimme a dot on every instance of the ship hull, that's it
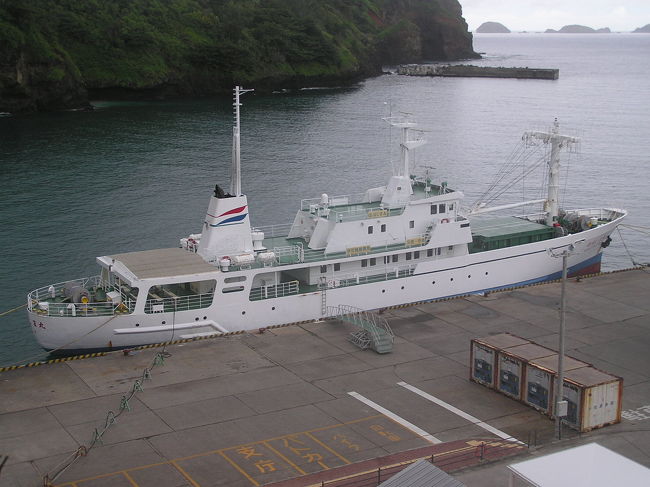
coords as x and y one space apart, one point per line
431 280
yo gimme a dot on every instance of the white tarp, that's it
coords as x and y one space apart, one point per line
590 465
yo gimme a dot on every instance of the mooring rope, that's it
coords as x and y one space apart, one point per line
111 418
12 310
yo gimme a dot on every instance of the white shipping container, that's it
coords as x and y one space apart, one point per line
595 398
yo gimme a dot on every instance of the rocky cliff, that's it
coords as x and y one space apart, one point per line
53 52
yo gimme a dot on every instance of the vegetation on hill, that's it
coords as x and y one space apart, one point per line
51 51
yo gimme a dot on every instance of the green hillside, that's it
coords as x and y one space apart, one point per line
53 51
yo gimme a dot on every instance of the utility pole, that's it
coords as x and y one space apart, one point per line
560 404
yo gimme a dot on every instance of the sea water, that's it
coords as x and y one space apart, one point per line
134 176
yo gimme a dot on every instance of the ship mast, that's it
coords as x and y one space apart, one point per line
406 144
235 172
558 142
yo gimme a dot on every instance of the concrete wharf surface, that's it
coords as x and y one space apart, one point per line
252 409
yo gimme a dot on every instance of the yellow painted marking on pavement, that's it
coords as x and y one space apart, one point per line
296 467
328 448
187 476
238 468
130 479
223 454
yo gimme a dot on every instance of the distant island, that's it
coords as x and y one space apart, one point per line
642 30
58 54
492 28
578 29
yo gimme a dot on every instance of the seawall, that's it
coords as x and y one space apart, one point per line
468 71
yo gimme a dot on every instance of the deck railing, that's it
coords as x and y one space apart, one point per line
365 278
275 291
179 303
41 301
345 199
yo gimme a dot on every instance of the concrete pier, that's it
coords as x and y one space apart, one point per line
253 409
468 71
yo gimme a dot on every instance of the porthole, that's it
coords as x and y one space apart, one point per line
451 279
164 322
137 324
402 287
469 276
196 319
243 312
205 317
383 290
273 308
486 273
433 282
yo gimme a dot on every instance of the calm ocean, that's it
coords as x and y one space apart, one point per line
135 176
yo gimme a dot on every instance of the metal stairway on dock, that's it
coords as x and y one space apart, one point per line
372 331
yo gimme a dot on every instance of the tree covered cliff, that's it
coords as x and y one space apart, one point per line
53 51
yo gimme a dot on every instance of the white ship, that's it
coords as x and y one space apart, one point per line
408 241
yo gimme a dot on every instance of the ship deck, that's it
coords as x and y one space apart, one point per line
159 263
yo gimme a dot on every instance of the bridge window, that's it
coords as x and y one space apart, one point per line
373 261
395 258
364 262
416 254
441 208
323 269
434 209
409 256
370 229
383 227
337 267
412 224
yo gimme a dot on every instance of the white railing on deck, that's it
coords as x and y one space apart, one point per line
275 291
345 199
272 231
179 303
40 300
369 276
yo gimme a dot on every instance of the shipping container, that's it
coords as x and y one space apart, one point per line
543 376
539 388
594 398
483 356
512 366
510 375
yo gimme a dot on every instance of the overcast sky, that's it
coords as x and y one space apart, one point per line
539 15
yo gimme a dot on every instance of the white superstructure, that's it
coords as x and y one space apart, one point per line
405 242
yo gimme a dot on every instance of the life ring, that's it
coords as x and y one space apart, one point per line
444 220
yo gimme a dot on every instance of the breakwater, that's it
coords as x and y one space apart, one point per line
468 71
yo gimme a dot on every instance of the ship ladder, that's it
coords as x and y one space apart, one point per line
371 330
323 296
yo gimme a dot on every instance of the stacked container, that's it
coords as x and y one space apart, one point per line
483 356
526 371
513 363
541 375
